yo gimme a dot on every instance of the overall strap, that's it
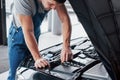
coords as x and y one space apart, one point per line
36 4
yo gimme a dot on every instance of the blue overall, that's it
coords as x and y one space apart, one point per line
16 44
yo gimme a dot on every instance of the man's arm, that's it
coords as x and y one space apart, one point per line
66 53
28 31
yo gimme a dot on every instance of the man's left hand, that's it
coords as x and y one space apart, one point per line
66 54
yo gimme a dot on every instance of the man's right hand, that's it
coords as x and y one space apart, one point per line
41 63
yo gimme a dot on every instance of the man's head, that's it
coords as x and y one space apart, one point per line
52 4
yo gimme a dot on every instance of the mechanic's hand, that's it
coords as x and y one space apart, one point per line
41 63
66 54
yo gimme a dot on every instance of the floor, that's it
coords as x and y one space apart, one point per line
3 59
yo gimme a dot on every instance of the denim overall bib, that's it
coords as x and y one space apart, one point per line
16 44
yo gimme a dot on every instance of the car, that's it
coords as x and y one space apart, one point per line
101 21
84 58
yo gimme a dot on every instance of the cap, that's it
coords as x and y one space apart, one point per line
60 1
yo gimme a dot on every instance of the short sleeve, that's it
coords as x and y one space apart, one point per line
23 7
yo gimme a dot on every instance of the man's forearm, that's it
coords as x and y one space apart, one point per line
66 30
66 25
32 44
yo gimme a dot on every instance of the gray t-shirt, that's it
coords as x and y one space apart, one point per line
25 7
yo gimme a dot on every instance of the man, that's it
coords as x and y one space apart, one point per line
102 26
24 32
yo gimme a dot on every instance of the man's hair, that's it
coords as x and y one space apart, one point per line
60 1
